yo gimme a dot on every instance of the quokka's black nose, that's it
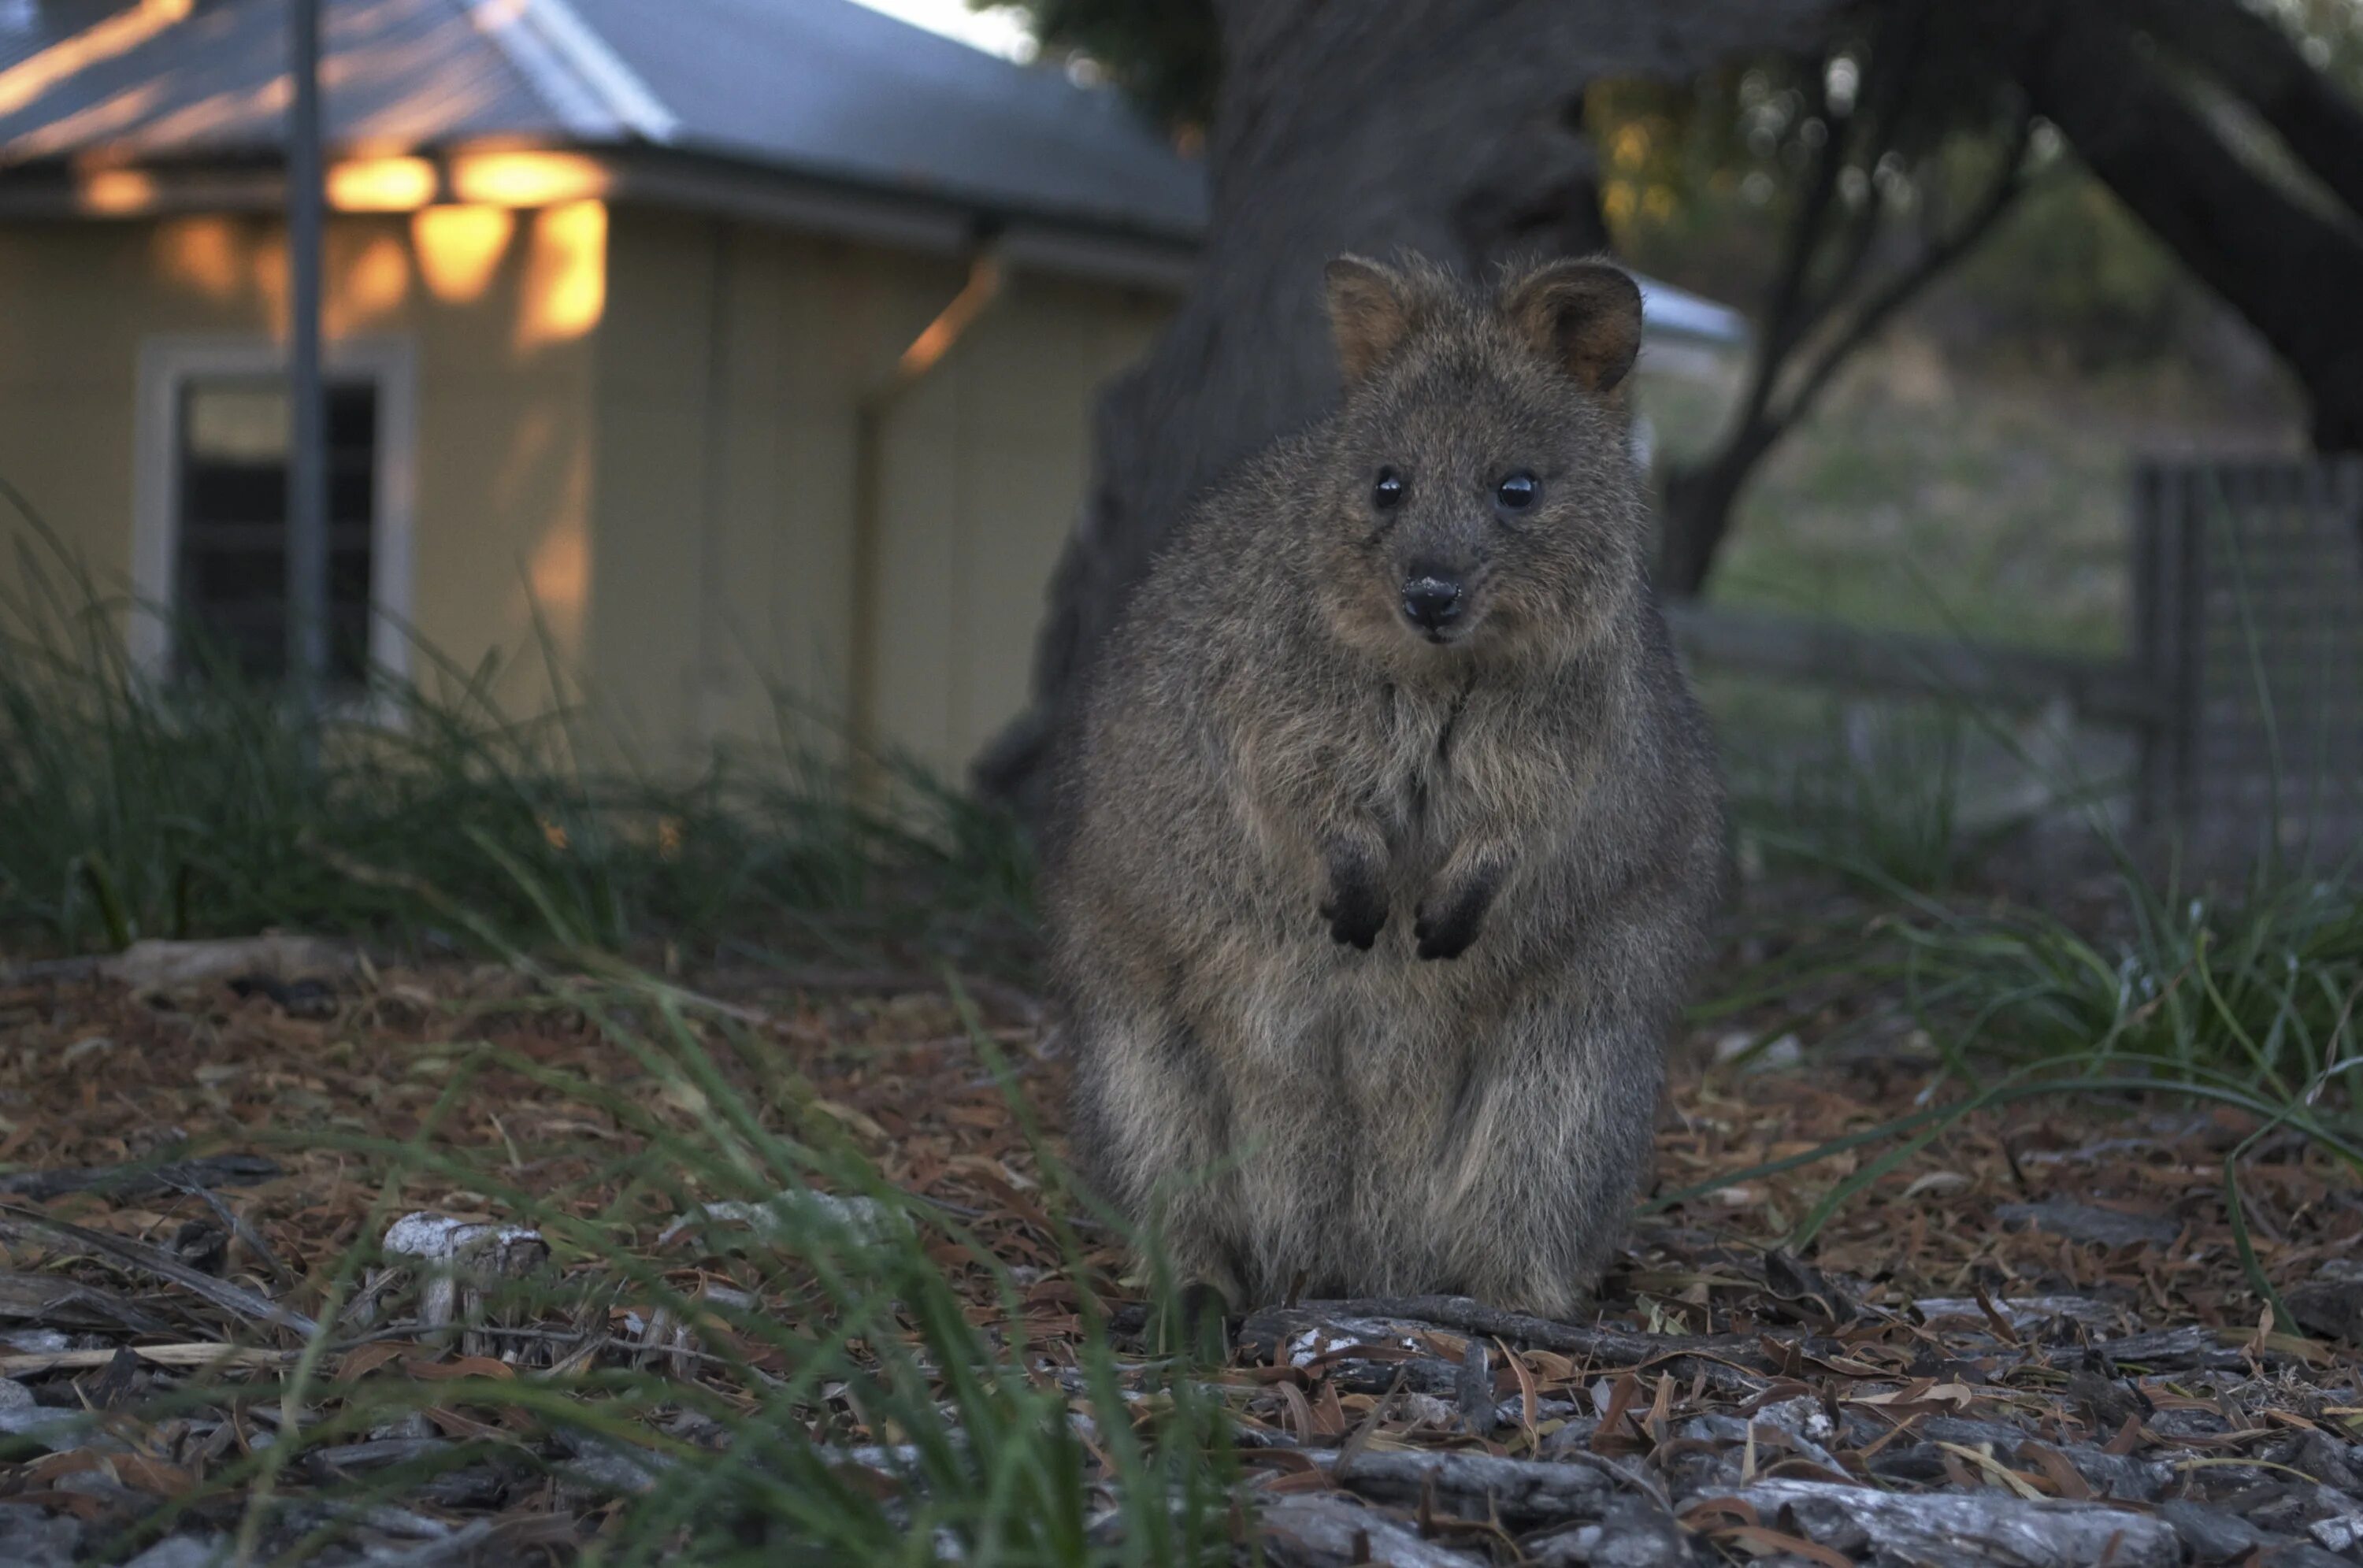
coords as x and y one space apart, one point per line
1431 601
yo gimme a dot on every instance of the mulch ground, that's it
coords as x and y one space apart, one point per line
2032 1341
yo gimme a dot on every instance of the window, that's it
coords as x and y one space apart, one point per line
229 582
211 556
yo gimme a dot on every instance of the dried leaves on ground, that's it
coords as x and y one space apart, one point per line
2035 1340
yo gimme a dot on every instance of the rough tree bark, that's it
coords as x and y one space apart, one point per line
1447 127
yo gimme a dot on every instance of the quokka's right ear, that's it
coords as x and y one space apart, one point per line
1370 313
1585 317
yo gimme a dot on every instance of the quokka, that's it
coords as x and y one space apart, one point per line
1389 830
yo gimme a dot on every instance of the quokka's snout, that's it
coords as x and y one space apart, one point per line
1389 830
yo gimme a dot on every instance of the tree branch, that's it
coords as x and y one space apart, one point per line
1698 502
1787 315
1885 103
2008 187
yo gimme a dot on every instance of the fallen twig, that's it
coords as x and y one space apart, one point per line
221 1293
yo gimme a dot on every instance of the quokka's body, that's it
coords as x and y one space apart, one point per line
1389 829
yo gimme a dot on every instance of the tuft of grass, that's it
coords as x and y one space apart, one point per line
2262 987
131 809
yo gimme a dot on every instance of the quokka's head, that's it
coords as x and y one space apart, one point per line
1481 492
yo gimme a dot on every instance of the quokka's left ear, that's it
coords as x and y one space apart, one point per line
1371 311
1584 316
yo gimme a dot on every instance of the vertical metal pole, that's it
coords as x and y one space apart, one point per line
307 455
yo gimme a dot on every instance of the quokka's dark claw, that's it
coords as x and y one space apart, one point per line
1356 916
1447 935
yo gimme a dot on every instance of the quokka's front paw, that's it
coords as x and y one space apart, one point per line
1446 929
1356 913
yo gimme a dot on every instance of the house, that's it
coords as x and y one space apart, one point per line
716 346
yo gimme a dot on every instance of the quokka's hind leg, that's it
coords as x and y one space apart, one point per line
1545 1165
1151 1132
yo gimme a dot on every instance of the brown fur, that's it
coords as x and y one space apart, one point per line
1275 770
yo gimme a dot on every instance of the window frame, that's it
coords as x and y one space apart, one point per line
167 364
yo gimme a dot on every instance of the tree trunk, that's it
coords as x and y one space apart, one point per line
1445 127
1697 513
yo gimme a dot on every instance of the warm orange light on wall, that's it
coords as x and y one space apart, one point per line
936 339
566 277
561 572
119 34
460 250
376 285
527 179
541 484
269 274
113 192
382 184
203 253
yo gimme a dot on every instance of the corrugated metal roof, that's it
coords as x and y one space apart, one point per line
824 88
99 75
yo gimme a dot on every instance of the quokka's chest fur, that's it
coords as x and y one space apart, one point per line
1421 792
1433 763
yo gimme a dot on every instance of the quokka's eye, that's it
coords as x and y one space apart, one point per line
1388 492
1518 491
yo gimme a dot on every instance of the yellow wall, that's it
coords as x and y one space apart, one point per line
647 447
730 366
72 297
986 464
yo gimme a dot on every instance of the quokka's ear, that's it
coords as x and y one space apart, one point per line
1584 316
1370 313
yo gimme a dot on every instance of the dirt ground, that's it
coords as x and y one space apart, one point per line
2032 1340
